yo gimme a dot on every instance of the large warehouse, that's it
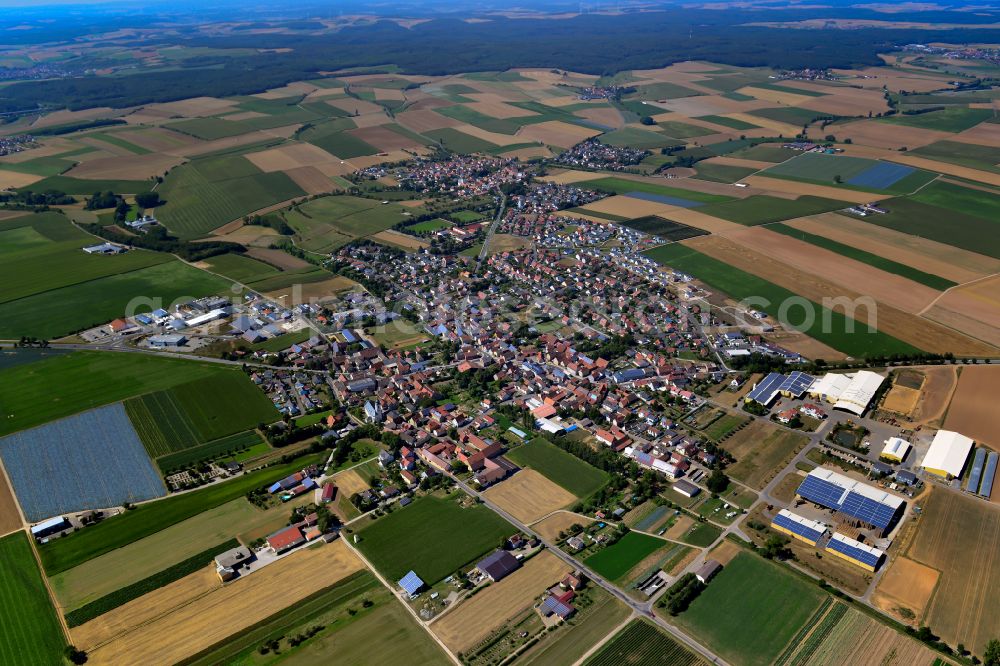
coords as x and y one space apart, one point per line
854 502
855 552
947 455
851 393
810 531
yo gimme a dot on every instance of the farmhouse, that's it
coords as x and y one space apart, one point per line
896 449
855 552
411 584
105 248
947 455
499 565
50 527
853 503
285 539
799 527
227 564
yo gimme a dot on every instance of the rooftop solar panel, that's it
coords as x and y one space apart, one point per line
865 503
976 475
796 383
411 583
797 527
856 550
986 489
766 389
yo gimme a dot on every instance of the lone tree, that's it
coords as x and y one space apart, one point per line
991 657
718 481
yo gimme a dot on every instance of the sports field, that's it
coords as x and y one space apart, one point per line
615 561
739 284
563 468
91 460
751 610
70 551
30 632
643 643
433 536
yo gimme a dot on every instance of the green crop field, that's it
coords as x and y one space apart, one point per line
86 187
65 553
240 268
952 119
199 411
680 130
459 142
792 115
326 223
734 123
664 228
342 145
663 90
751 610
560 467
833 328
722 173
209 128
119 139
623 185
638 138
616 560
766 152
29 629
482 121
642 643
910 273
68 309
976 202
57 386
433 536
701 535
207 193
956 152
944 225
245 442
764 209
436 224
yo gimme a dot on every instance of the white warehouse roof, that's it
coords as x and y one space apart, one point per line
896 447
830 386
948 452
863 387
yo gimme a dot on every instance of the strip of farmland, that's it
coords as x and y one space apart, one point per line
742 285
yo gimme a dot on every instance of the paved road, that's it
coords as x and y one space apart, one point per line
644 609
492 230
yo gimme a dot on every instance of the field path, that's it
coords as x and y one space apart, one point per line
601 643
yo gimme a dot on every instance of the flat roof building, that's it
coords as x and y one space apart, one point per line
411 584
858 502
895 449
947 455
859 393
855 552
803 529
499 565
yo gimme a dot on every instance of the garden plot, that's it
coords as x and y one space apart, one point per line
89 461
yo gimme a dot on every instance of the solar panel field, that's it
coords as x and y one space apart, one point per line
88 461
29 629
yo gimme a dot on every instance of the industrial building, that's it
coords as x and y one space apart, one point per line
799 527
853 502
855 552
896 449
793 385
947 455
981 476
851 393
499 565
411 584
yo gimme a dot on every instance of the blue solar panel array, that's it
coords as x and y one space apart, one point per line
986 489
976 475
411 583
859 554
853 504
797 528
765 390
796 383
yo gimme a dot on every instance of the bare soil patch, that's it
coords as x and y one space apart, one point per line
889 135
799 189
311 179
194 107
126 167
973 406
557 133
425 120
901 400
399 239
277 258
290 156
10 514
907 584
550 527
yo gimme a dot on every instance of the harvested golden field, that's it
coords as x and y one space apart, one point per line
740 162
65 116
293 89
321 290
973 405
935 394
929 256
495 107
844 101
126 167
356 106
901 400
312 180
529 496
978 300
384 138
528 153
919 332
13 179
194 107
473 619
693 218
399 239
350 482
493 137
885 287
889 135
862 640
805 345
171 633
278 258
290 156
161 139
602 115
983 134
906 584
767 123
371 119
725 552
799 189
776 96
960 536
894 79
567 176
761 451
550 527
971 326
556 133
627 206
425 120
10 514
203 147
382 94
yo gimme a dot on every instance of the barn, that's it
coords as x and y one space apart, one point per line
895 449
855 552
947 454
799 527
854 503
